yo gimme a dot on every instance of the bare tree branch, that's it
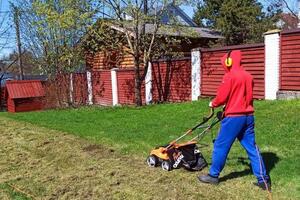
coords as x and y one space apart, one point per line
289 8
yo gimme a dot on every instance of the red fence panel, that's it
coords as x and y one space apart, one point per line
102 88
50 100
171 80
125 80
57 91
253 61
80 92
126 87
290 60
3 98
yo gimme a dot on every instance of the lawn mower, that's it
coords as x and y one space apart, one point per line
175 155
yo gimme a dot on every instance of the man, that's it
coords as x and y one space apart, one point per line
235 93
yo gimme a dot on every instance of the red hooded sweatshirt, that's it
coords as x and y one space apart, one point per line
236 90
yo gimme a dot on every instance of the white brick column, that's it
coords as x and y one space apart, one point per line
71 88
272 63
196 74
89 87
148 84
114 86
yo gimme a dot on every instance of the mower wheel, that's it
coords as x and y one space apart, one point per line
152 161
166 165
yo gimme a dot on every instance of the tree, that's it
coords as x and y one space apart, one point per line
290 8
136 28
240 21
4 30
52 30
28 63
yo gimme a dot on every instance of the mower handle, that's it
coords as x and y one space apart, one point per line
205 119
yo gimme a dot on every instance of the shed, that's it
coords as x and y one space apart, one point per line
24 95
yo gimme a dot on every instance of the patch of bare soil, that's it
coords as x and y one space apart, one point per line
47 164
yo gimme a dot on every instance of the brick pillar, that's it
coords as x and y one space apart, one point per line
89 87
272 63
114 86
148 84
71 89
196 74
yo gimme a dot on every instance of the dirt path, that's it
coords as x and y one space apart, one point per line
46 164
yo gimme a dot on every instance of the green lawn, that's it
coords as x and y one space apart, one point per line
135 131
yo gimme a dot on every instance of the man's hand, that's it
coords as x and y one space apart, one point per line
224 106
210 104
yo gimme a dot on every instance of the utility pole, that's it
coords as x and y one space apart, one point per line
145 17
17 25
145 7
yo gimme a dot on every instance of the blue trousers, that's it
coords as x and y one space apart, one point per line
241 127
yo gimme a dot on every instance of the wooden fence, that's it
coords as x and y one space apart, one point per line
174 80
171 80
253 58
290 60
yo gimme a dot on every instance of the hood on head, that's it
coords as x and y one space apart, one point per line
236 57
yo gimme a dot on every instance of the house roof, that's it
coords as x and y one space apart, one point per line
178 31
36 77
177 12
185 27
24 89
193 32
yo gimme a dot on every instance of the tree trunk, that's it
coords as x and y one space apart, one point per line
137 81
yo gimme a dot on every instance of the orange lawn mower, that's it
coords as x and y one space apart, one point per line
175 155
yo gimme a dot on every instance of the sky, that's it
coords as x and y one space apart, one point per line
4 7
188 10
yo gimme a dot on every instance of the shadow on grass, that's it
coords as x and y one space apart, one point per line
270 160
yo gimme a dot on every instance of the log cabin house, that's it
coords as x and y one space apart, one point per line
200 37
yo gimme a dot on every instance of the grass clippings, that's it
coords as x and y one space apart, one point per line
47 164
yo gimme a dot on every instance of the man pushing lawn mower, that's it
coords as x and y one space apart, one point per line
235 93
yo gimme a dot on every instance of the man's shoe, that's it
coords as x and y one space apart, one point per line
208 179
264 185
